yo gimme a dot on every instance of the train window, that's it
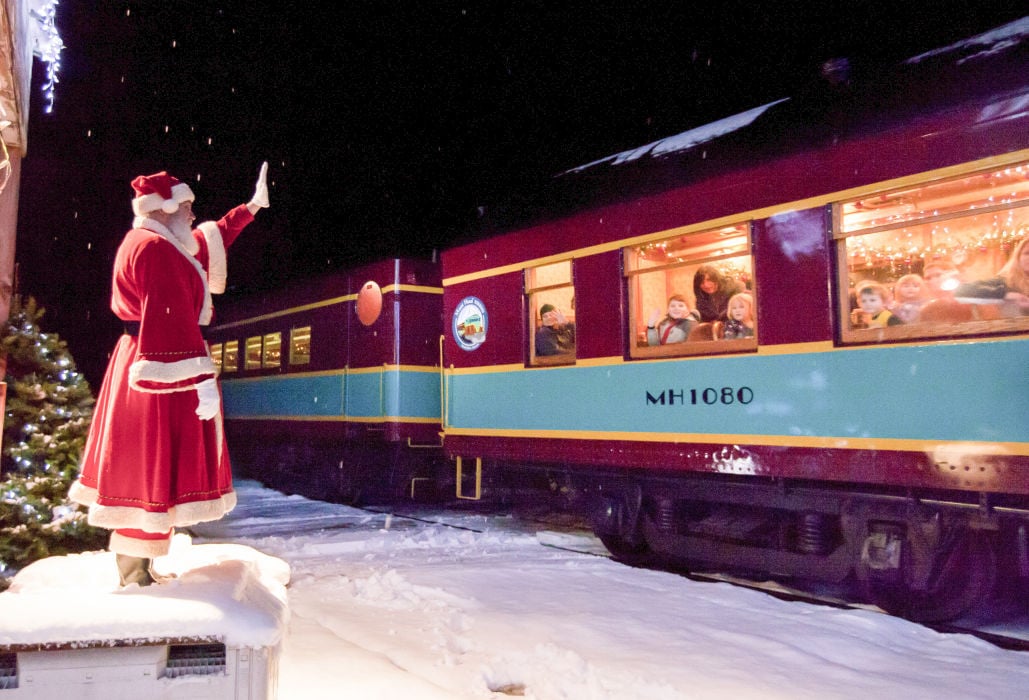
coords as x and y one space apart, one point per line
551 305
944 258
230 356
253 356
271 356
687 291
300 346
216 355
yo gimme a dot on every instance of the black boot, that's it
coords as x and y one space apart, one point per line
133 570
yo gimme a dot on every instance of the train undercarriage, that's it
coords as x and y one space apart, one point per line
928 557
922 557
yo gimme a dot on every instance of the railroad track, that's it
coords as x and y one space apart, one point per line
1012 643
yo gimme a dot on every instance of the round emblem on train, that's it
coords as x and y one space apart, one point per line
470 323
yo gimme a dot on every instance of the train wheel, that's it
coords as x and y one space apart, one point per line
962 575
625 549
617 522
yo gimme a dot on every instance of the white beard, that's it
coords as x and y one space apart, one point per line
178 232
180 229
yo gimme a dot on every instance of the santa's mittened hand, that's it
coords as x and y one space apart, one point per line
260 198
208 401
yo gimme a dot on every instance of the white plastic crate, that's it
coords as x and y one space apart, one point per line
212 632
158 671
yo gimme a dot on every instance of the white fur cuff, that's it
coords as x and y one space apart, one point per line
168 373
217 270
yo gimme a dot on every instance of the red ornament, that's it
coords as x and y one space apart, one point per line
369 303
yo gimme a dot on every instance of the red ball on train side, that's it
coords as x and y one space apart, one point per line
369 303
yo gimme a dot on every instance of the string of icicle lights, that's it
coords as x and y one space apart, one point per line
47 45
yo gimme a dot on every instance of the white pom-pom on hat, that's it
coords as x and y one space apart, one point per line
159 191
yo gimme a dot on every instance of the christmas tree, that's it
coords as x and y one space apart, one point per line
49 407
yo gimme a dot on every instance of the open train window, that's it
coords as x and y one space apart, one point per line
551 305
253 356
271 354
300 346
230 356
943 258
692 294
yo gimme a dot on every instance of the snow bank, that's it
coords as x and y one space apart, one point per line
487 607
228 592
465 606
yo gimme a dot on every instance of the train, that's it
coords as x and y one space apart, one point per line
708 344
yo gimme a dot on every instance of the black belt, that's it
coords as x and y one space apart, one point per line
132 328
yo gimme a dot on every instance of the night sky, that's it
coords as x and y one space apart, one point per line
391 127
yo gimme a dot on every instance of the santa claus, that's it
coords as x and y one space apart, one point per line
156 458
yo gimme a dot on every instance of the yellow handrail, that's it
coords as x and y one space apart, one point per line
478 480
442 387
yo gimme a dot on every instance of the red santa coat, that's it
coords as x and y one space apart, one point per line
150 463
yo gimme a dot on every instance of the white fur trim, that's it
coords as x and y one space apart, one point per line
220 433
82 494
132 547
152 202
189 245
217 269
168 373
126 517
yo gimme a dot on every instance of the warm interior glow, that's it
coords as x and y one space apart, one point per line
997 189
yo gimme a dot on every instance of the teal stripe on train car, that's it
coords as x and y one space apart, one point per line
391 392
364 395
291 395
416 395
961 391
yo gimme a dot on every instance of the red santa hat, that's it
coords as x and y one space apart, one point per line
159 191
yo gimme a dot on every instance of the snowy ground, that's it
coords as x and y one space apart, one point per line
392 608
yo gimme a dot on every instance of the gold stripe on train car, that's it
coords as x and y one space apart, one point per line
816 347
389 288
339 419
1009 449
336 372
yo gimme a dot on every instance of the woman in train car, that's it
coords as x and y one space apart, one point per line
712 290
675 327
740 321
1009 289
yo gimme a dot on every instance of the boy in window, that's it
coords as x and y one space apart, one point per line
557 334
872 299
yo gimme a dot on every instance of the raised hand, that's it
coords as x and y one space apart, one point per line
260 198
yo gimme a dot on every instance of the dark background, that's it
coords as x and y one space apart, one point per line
391 127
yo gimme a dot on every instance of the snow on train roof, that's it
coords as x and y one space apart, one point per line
980 46
685 140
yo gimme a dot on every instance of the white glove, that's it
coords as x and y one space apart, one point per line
208 401
260 198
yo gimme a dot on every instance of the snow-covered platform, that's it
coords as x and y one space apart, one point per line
214 630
